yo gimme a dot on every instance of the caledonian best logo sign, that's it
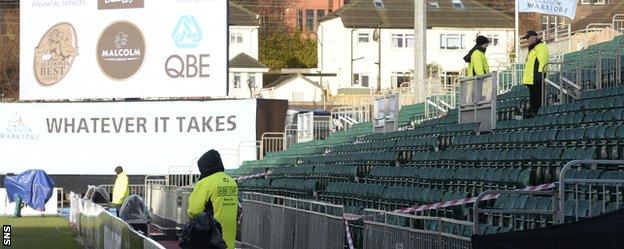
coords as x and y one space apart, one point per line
55 53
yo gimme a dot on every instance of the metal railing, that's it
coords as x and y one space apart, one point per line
478 100
513 213
162 200
322 127
618 23
180 175
342 118
272 141
585 190
156 179
509 77
100 229
281 222
556 87
384 229
135 189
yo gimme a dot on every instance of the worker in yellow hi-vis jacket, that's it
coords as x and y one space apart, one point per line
477 66
535 69
217 193
121 190
477 62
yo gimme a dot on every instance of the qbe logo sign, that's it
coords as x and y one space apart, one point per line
6 235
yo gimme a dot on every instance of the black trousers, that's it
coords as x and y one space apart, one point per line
535 93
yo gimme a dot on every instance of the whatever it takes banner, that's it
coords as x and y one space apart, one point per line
144 137
89 49
565 8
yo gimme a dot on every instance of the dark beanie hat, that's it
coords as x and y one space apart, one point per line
482 40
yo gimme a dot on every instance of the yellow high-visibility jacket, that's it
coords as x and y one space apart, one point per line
222 191
536 61
121 190
478 64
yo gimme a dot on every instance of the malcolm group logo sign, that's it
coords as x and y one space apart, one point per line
123 49
120 50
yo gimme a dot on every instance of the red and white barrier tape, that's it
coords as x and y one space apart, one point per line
451 203
349 239
467 200
350 217
240 178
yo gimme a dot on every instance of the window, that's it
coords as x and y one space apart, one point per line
237 80
409 40
251 80
310 20
458 4
493 39
378 4
398 78
299 19
452 41
397 40
363 37
236 37
364 80
587 2
320 14
403 40
550 22
433 4
361 80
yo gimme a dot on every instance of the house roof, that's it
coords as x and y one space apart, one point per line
276 80
400 14
239 16
597 14
243 60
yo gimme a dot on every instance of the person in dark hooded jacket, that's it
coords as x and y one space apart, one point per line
216 193
477 62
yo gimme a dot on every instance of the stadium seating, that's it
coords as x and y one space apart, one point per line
439 159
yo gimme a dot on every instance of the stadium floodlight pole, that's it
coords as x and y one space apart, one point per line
517 31
420 47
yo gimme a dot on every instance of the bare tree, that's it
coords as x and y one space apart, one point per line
273 13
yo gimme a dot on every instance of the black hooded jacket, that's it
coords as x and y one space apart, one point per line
210 163
476 47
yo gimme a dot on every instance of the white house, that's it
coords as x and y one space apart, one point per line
245 70
366 39
295 87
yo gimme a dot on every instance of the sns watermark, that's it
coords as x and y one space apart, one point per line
6 235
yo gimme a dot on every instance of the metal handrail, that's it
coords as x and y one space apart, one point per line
563 181
476 210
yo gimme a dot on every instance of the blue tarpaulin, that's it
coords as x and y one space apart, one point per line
33 186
